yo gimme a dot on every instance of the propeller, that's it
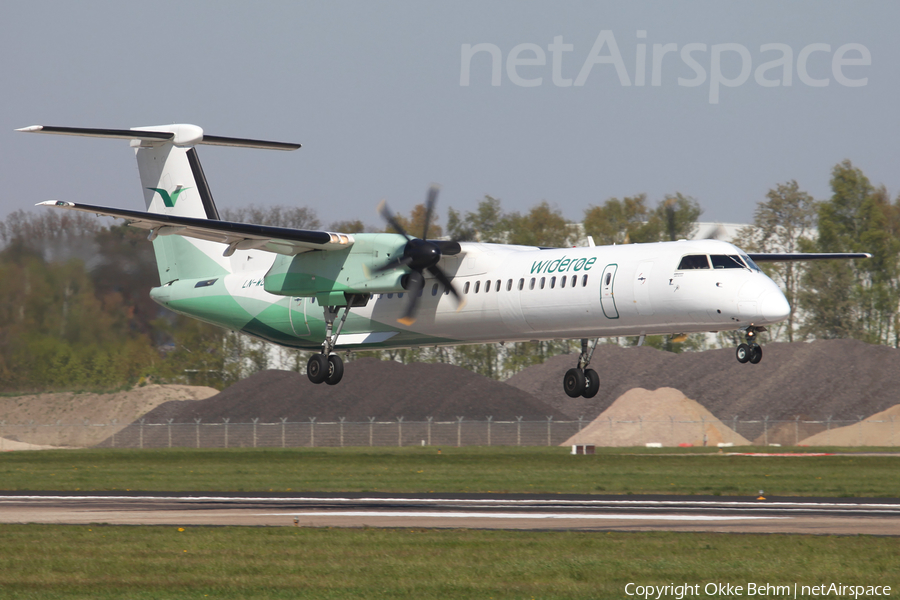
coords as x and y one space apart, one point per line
419 255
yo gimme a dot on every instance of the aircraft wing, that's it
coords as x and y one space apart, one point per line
237 236
796 256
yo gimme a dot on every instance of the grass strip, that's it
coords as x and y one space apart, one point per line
52 561
453 470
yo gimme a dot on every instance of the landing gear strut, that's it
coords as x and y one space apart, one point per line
750 351
581 381
328 367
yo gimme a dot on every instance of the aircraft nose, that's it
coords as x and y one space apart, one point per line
774 306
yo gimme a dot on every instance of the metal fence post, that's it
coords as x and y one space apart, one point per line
197 430
797 430
226 430
549 422
2 437
141 443
342 430
58 432
893 442
859 429
734 428
430 419
489 419
113 424
255 421
766 430
518 431
459 421
828 430
312 432
169 427
399 431
371 426
283 421
580 423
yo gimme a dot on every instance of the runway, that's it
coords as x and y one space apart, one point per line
490 511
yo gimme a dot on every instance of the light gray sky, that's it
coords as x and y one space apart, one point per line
373 92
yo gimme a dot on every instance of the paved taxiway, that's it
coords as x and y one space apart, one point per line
494 511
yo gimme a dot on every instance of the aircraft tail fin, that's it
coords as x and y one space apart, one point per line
173 183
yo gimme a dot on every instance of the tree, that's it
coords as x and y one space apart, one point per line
856 299
487 224
677 216
541 226
621 221
781 224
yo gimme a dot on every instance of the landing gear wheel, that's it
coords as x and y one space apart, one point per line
591 383
335 369
573 383
317 368
743 353
755 353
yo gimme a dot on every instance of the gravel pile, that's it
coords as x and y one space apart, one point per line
838 378
664 416
370 388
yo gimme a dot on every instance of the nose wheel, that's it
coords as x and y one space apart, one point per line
750 352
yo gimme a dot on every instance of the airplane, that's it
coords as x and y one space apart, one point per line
393 290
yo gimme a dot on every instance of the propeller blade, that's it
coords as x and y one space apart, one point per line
445 281
429 208
388 216
414 286
394 264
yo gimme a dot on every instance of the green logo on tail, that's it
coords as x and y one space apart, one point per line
169 200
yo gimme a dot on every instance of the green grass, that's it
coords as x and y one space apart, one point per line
50 561
454 470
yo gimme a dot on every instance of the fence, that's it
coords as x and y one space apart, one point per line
458 432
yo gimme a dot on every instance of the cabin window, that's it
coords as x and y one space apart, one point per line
694 261
543 280
205 283
521 284
726 261
400 295
487 286
574 280
531 285
584 281
477 286
391 295
509 285
562 282
608 278
434 290
466 288
498 285
552 282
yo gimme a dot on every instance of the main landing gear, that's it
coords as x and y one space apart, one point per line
750 351
328 367
582 382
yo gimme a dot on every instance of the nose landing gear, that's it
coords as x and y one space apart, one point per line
581 381
751 351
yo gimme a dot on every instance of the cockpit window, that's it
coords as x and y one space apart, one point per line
726 261
694 261
750 262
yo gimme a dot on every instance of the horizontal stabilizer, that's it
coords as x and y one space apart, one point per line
180 135
236 236
798 256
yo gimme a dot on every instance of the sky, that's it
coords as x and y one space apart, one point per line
716 100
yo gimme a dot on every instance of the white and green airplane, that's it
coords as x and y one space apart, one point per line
330 291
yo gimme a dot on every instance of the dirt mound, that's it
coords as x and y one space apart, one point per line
370 388
33 419
880 429
664 416
837 378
